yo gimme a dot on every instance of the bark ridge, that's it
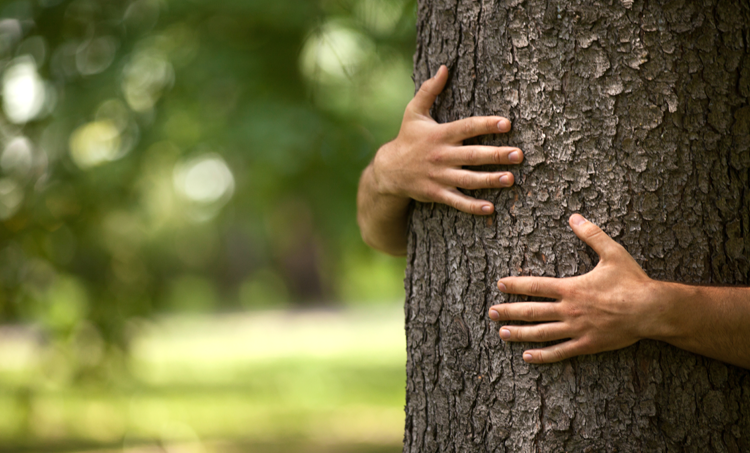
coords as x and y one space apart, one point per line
636 115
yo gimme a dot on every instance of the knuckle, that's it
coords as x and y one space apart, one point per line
593 231
467 127
472 155
439 134
534 287
506 312
529 313
589 346
435 158
433 193
542 333
563 286
517 334
582 346
497 156
465 181
573 312
558 354
585 346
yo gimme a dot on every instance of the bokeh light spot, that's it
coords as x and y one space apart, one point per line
10 34
17 157
24 92
36 47
142 14
205 179
335 53
95 143
380 16
95 56
146 76
11 196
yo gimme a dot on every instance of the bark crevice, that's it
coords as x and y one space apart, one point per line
635 114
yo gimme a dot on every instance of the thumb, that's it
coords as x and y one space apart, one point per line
429 91
592 235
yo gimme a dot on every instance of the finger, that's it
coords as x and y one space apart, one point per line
555 353
541 332
526 311
465 203
478 125
429 91
472 180
532 286
592 235
485 155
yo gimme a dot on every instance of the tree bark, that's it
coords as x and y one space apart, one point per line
634 114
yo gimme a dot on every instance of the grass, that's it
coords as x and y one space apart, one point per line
272 381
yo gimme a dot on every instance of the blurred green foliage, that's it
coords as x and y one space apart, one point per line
194 155
166 162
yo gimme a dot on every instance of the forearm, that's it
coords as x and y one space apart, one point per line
710 321
382 218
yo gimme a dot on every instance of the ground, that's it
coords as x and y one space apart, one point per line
292 381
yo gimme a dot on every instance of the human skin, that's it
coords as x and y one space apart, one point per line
617 304
425 163
611 307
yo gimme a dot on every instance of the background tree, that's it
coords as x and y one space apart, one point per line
169 156
636 115
162 159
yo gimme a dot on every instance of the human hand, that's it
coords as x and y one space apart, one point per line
611 307
425 161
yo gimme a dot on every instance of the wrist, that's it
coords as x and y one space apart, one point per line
376 197
377 173
671 310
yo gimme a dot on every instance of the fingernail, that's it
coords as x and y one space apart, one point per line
527 357
505 180
504 334
503 125
501 287
578 220
487 209
494 315
514 157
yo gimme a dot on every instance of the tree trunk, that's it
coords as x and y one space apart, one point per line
635 115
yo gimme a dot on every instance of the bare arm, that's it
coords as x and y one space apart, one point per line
381 216
617 304
425 163
710 321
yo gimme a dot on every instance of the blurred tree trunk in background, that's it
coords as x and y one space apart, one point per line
635 115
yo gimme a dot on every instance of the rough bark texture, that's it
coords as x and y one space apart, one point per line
634 114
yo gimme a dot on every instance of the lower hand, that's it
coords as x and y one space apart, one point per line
425 161
611 307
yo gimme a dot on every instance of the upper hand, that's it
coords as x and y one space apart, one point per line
425 161
611 307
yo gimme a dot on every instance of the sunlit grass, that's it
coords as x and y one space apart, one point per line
307 378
